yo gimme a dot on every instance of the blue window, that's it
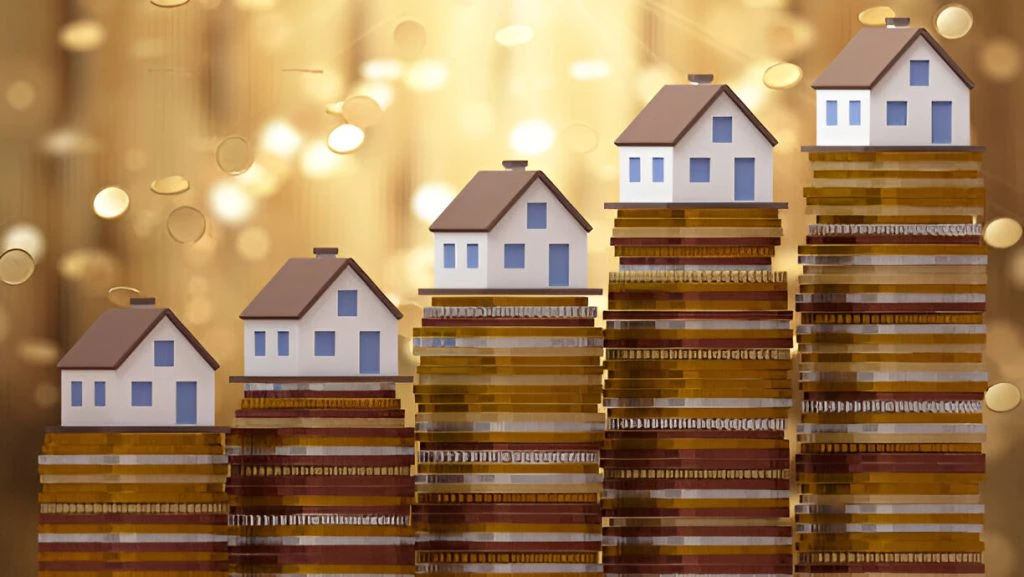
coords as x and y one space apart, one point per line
323 343
896 113
260 343
347 303
919 73
515 256
832 112
99 393
721 129
76 393
142 393
449 256
282 344
163 352
472 256
855 113
536 215
634 169
658 169
700 170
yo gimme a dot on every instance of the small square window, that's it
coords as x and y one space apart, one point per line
163 353
472 256
634 169
283 344
449 256
658 169
76 393
536 215
260 343
142 393
919 73
700 170
323 343
832 112
348 303
721 129
515 256
99 396
855 113
896 113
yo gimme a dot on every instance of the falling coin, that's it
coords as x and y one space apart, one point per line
16 266
1002 397
233 155
121 295
186 224
782 75
361 111
174 184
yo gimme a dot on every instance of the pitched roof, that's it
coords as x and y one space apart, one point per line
870 55
674 110
300 283
485 200
116 334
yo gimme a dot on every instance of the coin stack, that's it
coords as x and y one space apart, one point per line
131 501
321 478
697 348
509 436
891 372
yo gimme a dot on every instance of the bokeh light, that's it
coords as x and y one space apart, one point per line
514 35
230 203
319 162
21 94
281 139
954 21
1000 59
589 69
26 236
532 137
382 69
38 351
430 200
111 202
46 395
255 5
427 75
93 267
82 35
253 243
345 139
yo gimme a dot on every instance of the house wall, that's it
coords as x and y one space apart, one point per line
189 365
843 134
944 85
646 190
372 315
562 228
747 142
461 276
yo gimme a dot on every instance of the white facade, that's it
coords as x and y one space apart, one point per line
561 228
944 85
747 142
189 366
301 361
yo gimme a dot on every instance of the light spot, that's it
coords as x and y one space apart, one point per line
427 75
110 203
20 95
82 35
26 236
345 139
514 35
532 137
589 69
253 243
430 200
280 139
230 203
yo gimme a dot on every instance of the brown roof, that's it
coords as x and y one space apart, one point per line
116 334
484 201
300 283
870 55
674 110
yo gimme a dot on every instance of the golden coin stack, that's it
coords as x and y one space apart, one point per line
321 478
509 436
697 349
133 502
891 370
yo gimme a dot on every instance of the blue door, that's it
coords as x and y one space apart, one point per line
558 265
744 179
369 352
942 123
185 401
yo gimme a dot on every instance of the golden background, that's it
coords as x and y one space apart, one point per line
98 93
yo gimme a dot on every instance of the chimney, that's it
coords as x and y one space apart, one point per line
514 164
142 301
701 78
897 22
325 252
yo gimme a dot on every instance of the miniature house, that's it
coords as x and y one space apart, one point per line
136 367
893 86
510 229
321 316
695 143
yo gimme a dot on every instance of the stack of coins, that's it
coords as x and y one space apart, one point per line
131 501
698 345
509 436
891 371
321 478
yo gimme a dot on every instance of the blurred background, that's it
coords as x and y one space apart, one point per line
184 151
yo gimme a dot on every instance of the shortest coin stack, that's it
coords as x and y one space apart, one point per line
129 502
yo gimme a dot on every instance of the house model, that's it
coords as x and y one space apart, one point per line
136 367
893 86
695 143
321 316
510 229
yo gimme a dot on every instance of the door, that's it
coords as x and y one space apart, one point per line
942 123
185 401
744 179
369 352
558 265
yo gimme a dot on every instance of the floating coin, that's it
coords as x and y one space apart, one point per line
122 295
1002 397
168 3
361 111
110 203
876 16
233 155
410 38
16 266
782 75
954 21
174 184
345 138
1003 233
186 224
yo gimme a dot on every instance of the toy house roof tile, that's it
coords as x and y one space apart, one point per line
870 55
300 283
485 200
674 110
117 333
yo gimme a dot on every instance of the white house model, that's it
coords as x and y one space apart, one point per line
137 367
893 86
510 229
321 316
695 143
